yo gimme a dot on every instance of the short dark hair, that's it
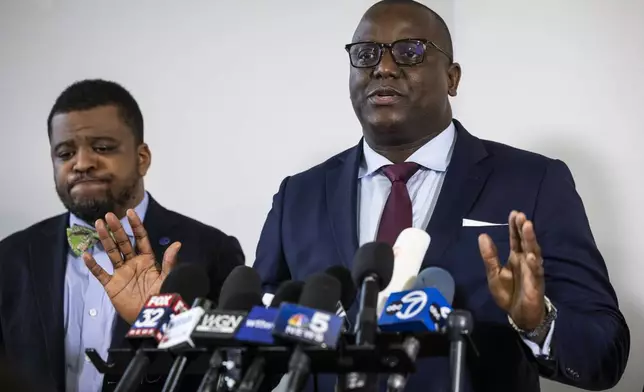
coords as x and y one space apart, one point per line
92 93
443 29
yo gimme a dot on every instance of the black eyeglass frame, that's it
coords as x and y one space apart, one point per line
425 42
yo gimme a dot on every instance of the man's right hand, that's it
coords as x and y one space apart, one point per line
137 275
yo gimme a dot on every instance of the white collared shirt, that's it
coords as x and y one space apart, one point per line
424 186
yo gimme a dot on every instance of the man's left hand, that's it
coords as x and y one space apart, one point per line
518 286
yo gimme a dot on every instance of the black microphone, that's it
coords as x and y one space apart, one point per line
432 277
289 291
184 284
258 330
349 293
373 267
321 292
241 291
459 325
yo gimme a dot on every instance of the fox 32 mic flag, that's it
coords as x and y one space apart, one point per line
415 311
155 315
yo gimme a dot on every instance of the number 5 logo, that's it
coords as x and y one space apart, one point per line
150 318
319 322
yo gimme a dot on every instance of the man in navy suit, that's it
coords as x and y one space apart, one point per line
65 285
536 284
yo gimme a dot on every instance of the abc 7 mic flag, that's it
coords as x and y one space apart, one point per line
415 311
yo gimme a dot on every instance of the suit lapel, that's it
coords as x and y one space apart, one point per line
466 175
47 263
159 230
341 197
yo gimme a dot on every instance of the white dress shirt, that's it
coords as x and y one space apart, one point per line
424 187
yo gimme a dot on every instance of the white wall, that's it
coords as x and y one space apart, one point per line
556 77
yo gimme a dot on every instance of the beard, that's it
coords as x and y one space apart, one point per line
89 210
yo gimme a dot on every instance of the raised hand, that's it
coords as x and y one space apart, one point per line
136 274
518 286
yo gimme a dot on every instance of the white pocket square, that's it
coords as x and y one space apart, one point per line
475 223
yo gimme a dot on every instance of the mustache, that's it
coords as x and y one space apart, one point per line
86 178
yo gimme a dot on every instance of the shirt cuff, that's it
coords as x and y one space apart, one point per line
543 351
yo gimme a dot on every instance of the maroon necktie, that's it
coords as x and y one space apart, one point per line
397 215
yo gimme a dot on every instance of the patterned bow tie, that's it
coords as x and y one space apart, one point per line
81 238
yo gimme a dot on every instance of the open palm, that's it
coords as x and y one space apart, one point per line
136 275
518 286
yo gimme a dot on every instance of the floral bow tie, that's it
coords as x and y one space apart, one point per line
81 238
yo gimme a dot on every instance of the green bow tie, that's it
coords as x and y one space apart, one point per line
81 238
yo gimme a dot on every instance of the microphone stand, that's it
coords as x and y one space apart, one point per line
366 329
134 373
210 381
459 326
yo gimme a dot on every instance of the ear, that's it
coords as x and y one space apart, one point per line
144 159
453 79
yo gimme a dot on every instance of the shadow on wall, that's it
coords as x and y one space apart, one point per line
596 187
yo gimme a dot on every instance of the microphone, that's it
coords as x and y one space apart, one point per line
185 282
437 278
459 325
311 322
348 295
240 292
409 252
258 327
409 284
373 266
425 308
178 338
420 309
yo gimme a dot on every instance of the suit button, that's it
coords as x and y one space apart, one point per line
573 373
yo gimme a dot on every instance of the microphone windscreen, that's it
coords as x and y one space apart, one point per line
439 279
288 291
241 280
322 292
349 290
373 258
189 280
410 283
243 301
409 253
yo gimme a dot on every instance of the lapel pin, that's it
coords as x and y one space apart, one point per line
164 241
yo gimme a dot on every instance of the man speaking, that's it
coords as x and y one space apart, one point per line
535 282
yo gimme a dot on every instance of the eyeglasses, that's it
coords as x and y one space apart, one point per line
404 52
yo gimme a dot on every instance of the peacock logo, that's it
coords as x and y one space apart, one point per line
298 320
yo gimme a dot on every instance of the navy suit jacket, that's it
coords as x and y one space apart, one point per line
312 226
32 275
